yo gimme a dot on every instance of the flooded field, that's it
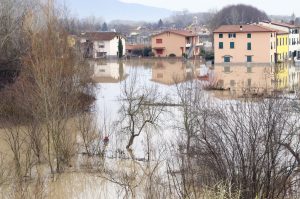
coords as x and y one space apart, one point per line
114 170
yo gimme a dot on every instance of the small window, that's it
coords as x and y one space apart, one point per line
249 58
226 59
231 35
271 58
158 41
280 41
249 35
159 51
220 35
249 82
220 45
231 45
249 47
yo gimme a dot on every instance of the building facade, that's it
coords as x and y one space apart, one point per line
244 43
282 46
293 36
175 43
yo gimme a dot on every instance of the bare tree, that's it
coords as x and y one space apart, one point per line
140 108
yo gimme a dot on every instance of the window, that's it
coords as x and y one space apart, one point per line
159 51
249 82
249 58
249 46
231 35
220 35
158 41
231 45
220 45
226 59
280 42
271 58
249 35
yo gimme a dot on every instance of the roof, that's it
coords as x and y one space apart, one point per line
184 33
243 29
279 32
99 36
287 25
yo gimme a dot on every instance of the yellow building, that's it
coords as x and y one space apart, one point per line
282 46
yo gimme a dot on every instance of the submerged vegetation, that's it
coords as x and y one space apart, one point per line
158 145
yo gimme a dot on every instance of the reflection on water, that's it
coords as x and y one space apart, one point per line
108 72
171 72
253 79
232 80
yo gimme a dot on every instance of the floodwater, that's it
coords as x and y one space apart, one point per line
221 82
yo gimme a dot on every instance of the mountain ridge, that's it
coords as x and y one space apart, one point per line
111 10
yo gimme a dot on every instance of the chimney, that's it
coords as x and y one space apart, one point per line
241 28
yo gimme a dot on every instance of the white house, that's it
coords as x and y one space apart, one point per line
294 37
101 44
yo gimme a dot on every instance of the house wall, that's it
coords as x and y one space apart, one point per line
291 36
282 48
261 51
114 43
172 44
110 47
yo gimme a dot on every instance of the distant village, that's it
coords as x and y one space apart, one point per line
264 41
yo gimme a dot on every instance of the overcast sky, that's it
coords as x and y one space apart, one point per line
275 7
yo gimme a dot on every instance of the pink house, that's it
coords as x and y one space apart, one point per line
244 43
175 42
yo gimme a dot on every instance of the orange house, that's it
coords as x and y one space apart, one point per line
244 43
175 43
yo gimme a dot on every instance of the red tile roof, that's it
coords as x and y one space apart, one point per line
99 36
243 29
184 33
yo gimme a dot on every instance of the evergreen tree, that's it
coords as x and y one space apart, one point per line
160 24
104 27
120 48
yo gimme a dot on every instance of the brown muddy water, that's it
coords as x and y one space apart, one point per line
116 175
